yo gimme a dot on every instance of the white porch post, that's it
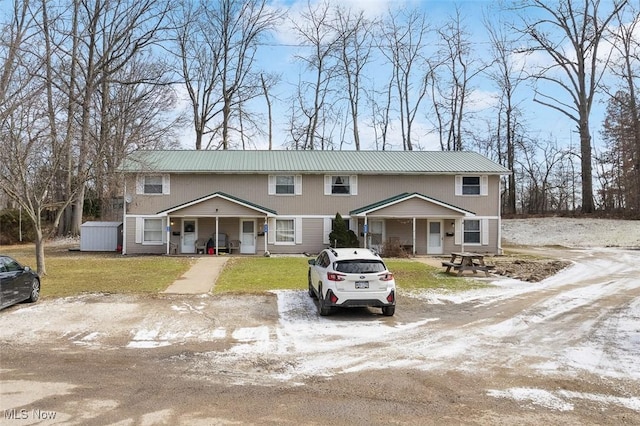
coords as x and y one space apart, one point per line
413 247
462 235
168 228
366 233
217 248
266 230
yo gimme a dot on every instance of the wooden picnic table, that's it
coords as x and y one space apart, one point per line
467 261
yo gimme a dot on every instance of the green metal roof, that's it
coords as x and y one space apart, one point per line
357 162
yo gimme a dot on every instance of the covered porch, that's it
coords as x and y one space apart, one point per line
214 224
416 223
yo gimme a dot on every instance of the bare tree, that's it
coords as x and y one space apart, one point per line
355 43
317 34
622 124
217 43
403 42
507 77
451 78
570 32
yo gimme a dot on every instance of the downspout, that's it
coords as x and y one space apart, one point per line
500 252
124 217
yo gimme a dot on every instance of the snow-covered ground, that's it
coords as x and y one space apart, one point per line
571 232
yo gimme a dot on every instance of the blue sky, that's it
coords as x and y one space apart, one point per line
542 122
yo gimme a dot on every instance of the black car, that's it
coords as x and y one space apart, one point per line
17 283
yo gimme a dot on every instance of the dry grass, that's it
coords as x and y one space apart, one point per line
72 272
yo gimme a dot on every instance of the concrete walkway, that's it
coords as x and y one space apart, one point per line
200 278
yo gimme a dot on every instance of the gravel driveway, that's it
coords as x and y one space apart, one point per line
565 350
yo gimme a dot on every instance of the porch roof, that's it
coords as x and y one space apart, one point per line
231 198
363 211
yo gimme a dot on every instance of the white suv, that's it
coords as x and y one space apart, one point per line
351 277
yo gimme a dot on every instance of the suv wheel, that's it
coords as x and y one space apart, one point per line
312 292
323 310
388 311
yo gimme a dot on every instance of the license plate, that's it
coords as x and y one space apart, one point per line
362 284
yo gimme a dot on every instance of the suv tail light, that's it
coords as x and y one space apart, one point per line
386 277
332 276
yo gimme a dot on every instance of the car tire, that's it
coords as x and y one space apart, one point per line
323 310
388 311
34 295
312 292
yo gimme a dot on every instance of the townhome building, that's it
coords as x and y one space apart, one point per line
257 202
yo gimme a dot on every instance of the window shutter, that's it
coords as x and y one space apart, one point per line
353 183
484 185
272 185
458 186
139 184
139 229
272 231
298 184
458 232
327 185
326 230
484 229
298 226
166 184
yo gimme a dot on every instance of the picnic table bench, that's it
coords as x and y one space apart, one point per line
467 261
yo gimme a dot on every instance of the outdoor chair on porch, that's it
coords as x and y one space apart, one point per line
234 245
201 245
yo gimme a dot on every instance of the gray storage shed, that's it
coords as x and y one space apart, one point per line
101 236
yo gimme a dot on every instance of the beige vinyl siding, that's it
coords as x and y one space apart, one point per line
255 188
216 207
312 235
414 207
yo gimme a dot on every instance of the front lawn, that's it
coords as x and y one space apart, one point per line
255 275
70 272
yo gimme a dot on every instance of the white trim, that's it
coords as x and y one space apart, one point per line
484 185
298 184
423 198
166 184
271 185
298 230
484 232
210 197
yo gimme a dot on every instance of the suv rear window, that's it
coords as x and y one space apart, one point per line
359 266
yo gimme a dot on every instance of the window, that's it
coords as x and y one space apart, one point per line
285 185
359 266
340 185
471 185
471 231
152 231
285 231
153 184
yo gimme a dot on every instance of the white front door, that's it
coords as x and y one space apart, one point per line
247 236
376 237
434 237
189 232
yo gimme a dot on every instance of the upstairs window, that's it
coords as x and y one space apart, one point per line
152 184
285 184
340 185
472 185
